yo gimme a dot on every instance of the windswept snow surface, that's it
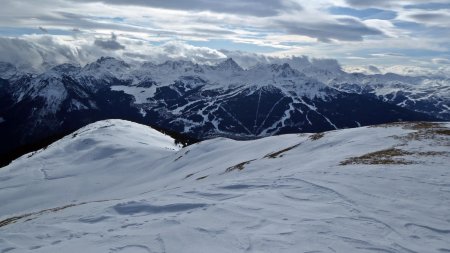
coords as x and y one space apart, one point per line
116 186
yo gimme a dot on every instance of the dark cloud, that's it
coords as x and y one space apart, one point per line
261 8
68 19
344 29
110 44
429 6
368 3
427 16
43 29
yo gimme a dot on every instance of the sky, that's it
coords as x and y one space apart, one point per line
401 36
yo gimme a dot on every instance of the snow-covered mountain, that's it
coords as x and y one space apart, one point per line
117 186
427 94
200 100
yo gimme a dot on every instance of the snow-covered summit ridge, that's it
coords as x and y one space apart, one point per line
113 188
104 152
110 135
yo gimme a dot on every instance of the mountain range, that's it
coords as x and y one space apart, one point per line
205 101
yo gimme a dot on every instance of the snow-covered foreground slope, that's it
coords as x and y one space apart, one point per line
116 186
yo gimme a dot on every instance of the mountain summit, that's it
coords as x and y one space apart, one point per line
229 65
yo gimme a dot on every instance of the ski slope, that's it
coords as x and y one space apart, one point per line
116 186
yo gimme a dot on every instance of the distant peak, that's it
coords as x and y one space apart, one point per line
7 70
176 64
66 67
229 64
108 63
111 60
105 59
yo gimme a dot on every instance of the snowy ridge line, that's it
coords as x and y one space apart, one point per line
350 190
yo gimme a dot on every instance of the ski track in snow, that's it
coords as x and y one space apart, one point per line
237 121
257 112
286 194
269 113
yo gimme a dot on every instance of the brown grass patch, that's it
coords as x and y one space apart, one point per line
280 152
386 156
393 124
432 153
423 125
443 132
411 125
316 136
239 166
426 131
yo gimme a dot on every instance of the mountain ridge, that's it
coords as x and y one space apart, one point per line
198 100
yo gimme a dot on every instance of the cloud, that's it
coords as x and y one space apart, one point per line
181 51
434 18
110 44
387 55
245 59
441 61
368 70
199 30
38 52
428 6
262 8
387 3
344 29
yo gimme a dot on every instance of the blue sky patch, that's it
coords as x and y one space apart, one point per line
370 13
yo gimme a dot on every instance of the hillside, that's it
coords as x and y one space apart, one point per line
117 186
